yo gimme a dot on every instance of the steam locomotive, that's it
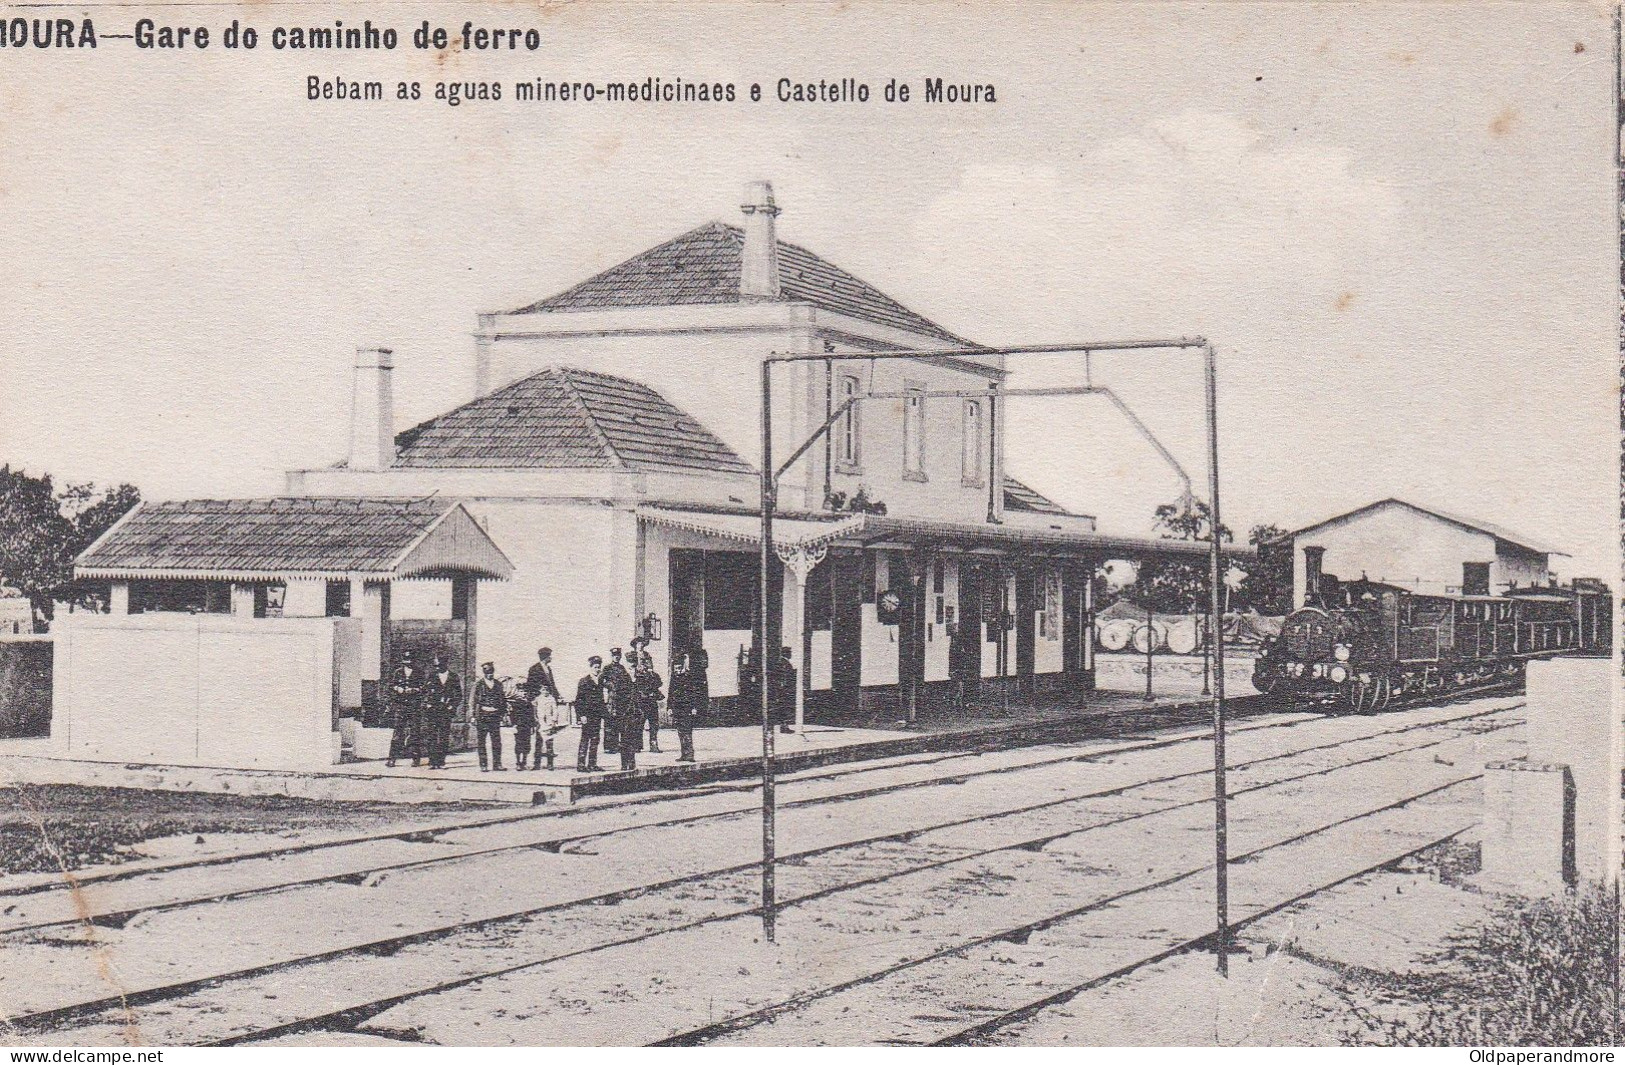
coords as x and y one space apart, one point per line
1363 645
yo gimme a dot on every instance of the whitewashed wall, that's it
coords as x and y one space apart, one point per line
203 689
1520 569
1396 545
573 587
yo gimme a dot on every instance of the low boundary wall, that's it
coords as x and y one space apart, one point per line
202 689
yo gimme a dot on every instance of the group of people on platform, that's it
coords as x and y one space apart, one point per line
613 703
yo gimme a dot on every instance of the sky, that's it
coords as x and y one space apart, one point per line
1397 224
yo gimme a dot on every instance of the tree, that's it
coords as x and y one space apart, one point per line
1178 522
1178 585
1267 588
42 530
92 514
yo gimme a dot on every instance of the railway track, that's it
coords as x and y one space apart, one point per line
89 1016
959 1033
868 1020
1116 725
80 896
85 899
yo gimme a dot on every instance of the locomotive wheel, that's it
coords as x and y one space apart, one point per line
1370 696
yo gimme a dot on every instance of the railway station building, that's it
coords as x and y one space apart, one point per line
610 457
612 453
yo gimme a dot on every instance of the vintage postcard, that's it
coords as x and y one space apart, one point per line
627 524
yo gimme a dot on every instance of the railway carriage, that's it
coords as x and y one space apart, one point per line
1363 645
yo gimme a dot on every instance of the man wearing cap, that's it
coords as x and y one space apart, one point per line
406 708
443 695
590 709
489 701
617 685
544 703
646 694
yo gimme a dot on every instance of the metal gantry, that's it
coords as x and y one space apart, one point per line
771 475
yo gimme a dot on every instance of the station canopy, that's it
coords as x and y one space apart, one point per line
872 530
295 538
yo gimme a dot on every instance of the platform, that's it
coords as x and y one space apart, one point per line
724 753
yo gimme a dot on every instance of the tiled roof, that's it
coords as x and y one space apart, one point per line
280 535
569 419
1018 496
703 266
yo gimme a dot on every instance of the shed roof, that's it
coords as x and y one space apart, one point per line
704 265
1499 532
573 419
267 539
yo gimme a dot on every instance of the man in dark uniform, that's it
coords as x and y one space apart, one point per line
646 693
490 701
617 685
629 714
782 679
688 696
590 709
442 697
538 682
406 706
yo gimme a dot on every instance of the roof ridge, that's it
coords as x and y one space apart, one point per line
587 414
687 234
1491 529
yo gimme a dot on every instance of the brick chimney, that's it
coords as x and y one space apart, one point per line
372 414
759 272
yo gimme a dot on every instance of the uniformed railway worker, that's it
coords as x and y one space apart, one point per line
406 689
590 709
442 697
646 696
617 685
688 695
490 702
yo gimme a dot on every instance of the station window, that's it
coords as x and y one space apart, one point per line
180 597
914 434
847 429
971 450
1475 578
338 599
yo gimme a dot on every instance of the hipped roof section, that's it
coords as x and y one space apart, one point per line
282 538
565 418
703 266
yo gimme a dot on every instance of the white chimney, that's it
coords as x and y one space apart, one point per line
759 273
372 415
